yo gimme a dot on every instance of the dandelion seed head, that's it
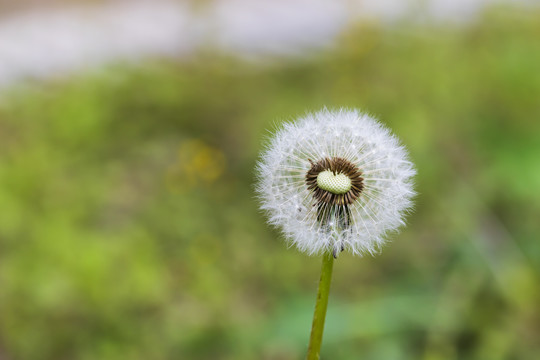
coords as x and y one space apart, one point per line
335 180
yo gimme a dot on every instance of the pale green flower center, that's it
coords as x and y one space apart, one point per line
335 183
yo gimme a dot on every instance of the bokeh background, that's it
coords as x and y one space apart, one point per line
129 132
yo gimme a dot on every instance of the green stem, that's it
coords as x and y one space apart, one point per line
317 327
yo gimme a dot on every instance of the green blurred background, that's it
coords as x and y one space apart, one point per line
129 227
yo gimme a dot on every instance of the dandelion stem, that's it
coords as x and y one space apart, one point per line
317 327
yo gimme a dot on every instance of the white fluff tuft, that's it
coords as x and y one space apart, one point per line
358 138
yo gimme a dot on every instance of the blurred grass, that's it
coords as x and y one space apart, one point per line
129 228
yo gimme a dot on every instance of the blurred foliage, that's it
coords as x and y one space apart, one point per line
129 228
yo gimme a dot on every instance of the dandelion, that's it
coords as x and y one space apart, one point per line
335 181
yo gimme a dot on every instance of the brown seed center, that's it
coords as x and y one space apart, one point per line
336 165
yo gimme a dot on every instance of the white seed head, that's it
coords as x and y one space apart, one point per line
335 180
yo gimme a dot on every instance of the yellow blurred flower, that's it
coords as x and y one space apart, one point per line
197 164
